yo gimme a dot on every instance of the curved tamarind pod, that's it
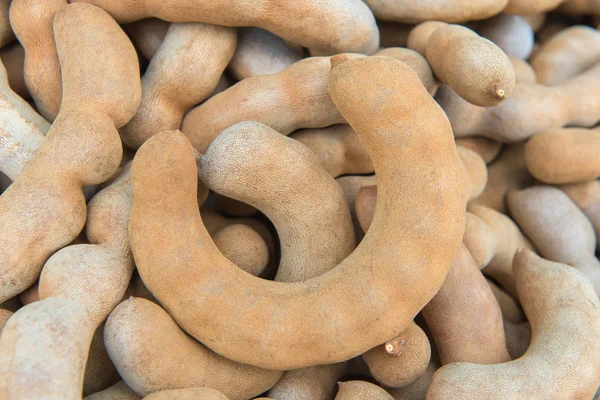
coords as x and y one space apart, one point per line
449 315
118 391
357 390
487 149
567 54
512 33
478 70
529 110
315 383
400 168
401 361
44 209
148 366
184 71
508 171
586 196
13 58
448 11
567 155
479 240
350 24
559 230
31 21
260 52
22 130
524 72
147 35
511 310
508 239
248 153
560 303
187 394
527 7
418 389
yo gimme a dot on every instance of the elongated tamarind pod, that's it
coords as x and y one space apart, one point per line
508 239
357 390
586 196
118 391
44 209
182 73
560 156
392 93
399 362
559 230
148 366
529 110
508 171
478 70
560 303
260 52
448 11
457 335
567 54
147 35
350 25
31 21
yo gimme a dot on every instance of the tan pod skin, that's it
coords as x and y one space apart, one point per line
526 7
148 365
449 315
524 72
398 166
147 35
567 54
559 230
508 171
530 109
401 361
487 149
418 389
561 156
32 22
315 383
474 67
260 52
244 247
351 185
118 391
446 10
13 58
563 359
586 196
479 240
359 390
508 239
510 308
475 172
511 33
187 394
44 209
184 71
22 130
335 27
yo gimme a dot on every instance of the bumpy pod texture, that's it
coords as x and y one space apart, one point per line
357 390
31 21
403 129
529 110
447 10
22 130
182 73
335 27
260 52
567 54
562 156
559 230
478 70
144 362
44 209
563 359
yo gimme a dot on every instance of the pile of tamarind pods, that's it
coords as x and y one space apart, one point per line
340 199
